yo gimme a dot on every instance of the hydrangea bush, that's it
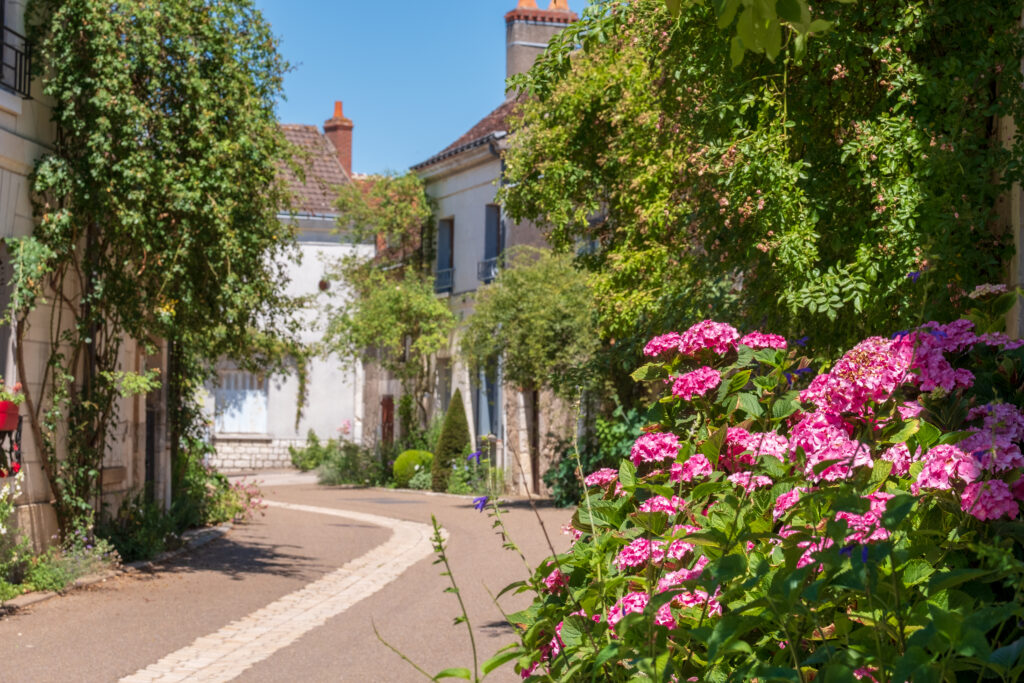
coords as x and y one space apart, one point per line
778 523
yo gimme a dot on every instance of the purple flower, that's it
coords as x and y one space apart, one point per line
912 276
864 554
480 503
471 456
802 341
900 335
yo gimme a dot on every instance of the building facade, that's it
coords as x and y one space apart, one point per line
255 417
521 428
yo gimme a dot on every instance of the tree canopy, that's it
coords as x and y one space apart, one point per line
797 193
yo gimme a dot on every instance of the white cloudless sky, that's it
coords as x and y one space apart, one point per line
413 76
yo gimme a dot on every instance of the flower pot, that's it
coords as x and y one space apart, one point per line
8 416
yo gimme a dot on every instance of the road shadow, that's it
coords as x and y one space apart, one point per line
240 559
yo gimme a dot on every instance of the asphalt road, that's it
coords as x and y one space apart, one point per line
121 626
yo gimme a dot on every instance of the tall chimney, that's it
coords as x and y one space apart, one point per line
338 130
528 31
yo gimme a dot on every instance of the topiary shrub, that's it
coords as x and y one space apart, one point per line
451 444
407 464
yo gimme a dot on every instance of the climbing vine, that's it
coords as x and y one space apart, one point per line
156 221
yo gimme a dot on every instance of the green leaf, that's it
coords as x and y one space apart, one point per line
651 371
499 659
897 509
908 429
454 673
627 473
927 434
712 446
739 380
673 7
954 577
789 10
917 571
750 405
819 26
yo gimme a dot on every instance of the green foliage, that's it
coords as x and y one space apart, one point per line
139 530
538 316
451 444
156 218
422 480
408 463
312 454
475 476
796 194
391 208
348 463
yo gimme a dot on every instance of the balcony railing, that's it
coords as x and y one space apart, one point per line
443 280
16 58
487 270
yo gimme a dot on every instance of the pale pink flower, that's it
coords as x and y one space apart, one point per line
749 481
825 438
900 457
786 501
759 340
662 344
942 465
989 500
601 477
696 383
867 373
696 466
654 447
635 602
717 337
662 504
677 577
556 581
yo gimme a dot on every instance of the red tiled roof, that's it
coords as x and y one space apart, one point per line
323 172
495 122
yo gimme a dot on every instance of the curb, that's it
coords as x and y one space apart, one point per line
191 539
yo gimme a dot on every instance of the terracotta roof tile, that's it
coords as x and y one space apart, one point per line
495 122
323 172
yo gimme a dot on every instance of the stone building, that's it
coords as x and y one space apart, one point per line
472 235
254 416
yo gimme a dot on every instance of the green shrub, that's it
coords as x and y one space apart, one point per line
48 572
408 463
140 529
421 480
313 454
450 444
349 463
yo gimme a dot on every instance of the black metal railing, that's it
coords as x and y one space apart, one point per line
443 280
10 448
15 62
487 270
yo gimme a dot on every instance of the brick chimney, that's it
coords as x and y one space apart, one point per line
338 130
528 30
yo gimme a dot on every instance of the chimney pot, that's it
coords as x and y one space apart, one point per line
527 4
559 6
338 130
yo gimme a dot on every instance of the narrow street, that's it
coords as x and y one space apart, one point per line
294 596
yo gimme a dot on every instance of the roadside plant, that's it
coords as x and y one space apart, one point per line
780 522
451 444
11 392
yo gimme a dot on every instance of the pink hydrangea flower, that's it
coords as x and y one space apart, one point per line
823 438
759 340
696 383
786 501
663 344
867 527
866 672
942 465
810 549
601 477
696 466
556 581
989 500
996 442
717 337
654 447
672 579
639 553
1001 340
697 599
869 372
932 369
900 457
909 411
662 504
750 481
635 602
987 290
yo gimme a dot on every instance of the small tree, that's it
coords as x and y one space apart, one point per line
450 445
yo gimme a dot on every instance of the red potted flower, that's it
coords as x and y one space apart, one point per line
10 398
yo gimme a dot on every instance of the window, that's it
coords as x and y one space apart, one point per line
443 277
487 269
14 65
240 403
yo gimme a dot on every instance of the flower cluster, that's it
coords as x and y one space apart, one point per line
728 498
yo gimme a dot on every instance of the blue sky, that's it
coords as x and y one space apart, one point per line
413 76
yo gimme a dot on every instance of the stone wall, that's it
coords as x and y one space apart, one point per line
247 455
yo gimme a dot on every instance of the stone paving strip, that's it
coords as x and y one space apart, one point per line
224 655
